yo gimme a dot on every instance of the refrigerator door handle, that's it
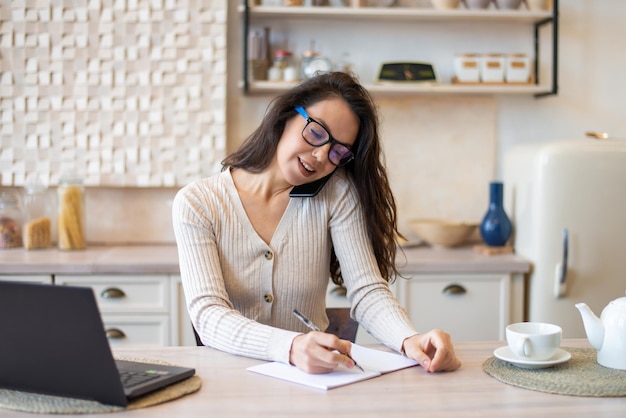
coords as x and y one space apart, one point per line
560 273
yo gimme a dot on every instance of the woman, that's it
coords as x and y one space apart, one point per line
250 253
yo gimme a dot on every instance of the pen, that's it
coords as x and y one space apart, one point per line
306 321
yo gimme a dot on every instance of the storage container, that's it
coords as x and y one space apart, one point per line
38 214
10 220
71 220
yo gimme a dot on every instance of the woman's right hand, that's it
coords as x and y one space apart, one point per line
319 352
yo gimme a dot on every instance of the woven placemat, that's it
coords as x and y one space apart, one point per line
580 376
48 404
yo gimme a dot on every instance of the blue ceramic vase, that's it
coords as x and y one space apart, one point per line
496 228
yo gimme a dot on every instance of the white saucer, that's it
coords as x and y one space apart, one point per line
505 354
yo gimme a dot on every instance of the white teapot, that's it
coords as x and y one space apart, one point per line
607 334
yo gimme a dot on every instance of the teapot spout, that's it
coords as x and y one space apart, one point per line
593 326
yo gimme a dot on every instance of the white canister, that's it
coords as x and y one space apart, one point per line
467 68
492 68
275 73
517 68
290 73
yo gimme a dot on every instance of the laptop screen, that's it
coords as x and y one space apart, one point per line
53 342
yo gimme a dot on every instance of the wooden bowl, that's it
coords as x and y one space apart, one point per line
442 232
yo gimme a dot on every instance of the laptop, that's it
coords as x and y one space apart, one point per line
52 341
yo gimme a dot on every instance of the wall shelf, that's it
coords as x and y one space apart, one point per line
268 87
399 14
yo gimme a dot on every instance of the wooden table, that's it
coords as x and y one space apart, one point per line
228 390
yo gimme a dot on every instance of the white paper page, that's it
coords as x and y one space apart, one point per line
340 377
375 362
381 361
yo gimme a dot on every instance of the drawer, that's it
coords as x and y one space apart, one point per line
125 294
470 308
137 330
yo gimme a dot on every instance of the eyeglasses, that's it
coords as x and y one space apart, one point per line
316 135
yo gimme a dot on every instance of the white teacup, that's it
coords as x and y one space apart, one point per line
533 341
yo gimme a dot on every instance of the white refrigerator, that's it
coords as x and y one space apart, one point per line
567 202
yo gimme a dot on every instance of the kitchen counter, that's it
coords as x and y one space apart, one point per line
163 259
131 259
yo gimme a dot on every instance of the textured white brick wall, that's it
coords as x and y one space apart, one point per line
124 92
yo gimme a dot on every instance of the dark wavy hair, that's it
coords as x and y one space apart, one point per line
367 170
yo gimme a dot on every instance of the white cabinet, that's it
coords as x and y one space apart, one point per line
470 307
136 309
405 34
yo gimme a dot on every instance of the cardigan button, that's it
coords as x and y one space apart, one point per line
269 255
269 298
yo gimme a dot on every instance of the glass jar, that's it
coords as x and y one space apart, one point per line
10 220
283 59
283 62
71 209
38 214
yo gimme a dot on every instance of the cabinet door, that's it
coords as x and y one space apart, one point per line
123 330
135 308
125 293
469 307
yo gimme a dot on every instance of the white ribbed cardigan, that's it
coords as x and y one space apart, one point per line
241 292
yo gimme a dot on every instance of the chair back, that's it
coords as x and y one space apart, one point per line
340 324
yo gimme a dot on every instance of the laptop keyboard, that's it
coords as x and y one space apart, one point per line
131 378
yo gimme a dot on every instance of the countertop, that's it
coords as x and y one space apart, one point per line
163 259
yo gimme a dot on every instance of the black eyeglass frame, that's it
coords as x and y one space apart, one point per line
330 140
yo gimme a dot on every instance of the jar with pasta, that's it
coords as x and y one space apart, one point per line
71 211
10 220
38 214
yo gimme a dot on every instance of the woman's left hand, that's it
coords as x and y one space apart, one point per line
433 350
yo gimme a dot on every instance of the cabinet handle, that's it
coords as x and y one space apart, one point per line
454 290
115 334
113 293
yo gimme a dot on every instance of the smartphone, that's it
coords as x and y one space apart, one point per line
309 189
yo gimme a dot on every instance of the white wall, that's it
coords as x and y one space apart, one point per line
592 85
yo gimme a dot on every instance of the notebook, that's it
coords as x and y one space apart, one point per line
374 362
53 342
